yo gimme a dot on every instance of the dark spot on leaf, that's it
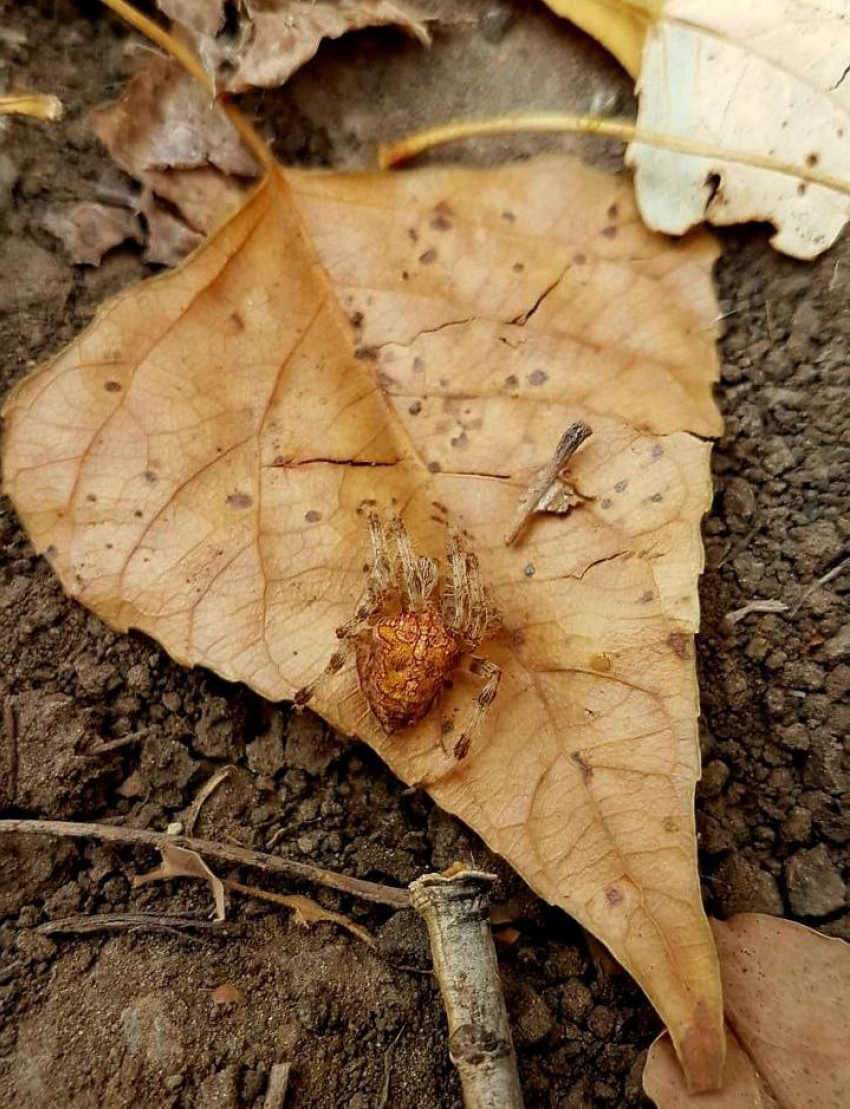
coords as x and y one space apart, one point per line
385 381
150 477
579 258
657 451
109 546
537 377
610 232
512 381
239 500
51 552
656 497
613 895
584 766
529 571
312 517
802 188
91 498
405 276
366 354
434 467
237 321
605 502
517 267
440 220
418 365
679 643
447 726
621 485
669 824
812 160
613 211
428 256
508 217
413 233
113 386
646 597
460 440
444 382
138 514
357 319
415 408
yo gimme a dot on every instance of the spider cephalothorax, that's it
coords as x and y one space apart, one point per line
409 636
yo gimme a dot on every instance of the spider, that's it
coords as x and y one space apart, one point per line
408 637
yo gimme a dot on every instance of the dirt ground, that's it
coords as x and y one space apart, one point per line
121 1020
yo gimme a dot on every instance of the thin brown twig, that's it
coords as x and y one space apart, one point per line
119 922
220 852
204 793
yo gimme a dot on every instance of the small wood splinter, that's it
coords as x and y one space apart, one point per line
548 491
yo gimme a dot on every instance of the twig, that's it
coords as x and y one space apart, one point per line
388 1072
755 606
119 922
393 154
204 793
307 911
108 745
547 493
278 1083
831 575
221 852
457 913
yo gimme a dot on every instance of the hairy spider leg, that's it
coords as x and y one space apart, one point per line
378 586
457 592
416 577
492 675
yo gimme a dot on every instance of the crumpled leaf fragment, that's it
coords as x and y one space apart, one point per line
274 38
766 78
785 990
180 862
89 230
195 465
164 131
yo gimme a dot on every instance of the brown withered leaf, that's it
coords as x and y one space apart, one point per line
195 464
180 862
274 38
89 230
785 990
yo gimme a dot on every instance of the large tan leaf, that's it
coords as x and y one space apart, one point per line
766 78
194 463
786 992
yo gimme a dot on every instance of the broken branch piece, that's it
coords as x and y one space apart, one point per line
456 911
548 492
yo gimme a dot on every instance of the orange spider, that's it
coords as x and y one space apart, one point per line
408 640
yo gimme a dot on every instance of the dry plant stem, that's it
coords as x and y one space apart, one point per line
190 63
36 105
457 914
221 852
393 154
204 793
544 487
121 922
278 1083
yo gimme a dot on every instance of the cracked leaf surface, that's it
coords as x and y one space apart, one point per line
193 465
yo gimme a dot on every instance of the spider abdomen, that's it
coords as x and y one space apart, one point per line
402 663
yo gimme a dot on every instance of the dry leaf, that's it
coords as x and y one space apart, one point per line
194 464
307 912
274 38
88 230
765 78
164 131
180 862
785 990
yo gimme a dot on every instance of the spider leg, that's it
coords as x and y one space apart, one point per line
457 593
378 584
492 675
416 576
471 612
335 663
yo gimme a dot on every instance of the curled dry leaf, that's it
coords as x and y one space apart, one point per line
164 131
274 38
88 230
785 990
196 464
766 78
307 911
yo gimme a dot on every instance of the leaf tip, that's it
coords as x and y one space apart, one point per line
702 1050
